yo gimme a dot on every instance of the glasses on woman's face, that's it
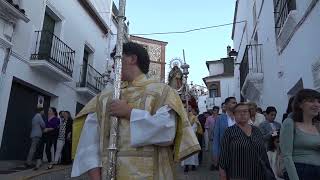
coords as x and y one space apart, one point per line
245 111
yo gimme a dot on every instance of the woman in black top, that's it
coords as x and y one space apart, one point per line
243 155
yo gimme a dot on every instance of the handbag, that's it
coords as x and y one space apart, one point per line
269 175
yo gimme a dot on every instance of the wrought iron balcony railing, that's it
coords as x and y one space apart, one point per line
251 62
91 78
282 9
52 49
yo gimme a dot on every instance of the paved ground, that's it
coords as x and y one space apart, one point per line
202 172
63 172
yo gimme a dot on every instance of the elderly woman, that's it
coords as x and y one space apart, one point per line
300 137
243 155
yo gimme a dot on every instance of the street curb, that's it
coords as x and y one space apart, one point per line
44 172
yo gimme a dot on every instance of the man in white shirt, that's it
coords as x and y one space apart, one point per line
152 122
269 127
255 118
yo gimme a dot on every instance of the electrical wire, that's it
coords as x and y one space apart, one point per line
187 31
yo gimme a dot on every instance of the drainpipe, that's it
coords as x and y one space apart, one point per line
3 71
6 61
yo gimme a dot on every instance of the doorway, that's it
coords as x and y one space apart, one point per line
22 106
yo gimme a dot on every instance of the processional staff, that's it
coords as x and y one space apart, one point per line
185 73
111 170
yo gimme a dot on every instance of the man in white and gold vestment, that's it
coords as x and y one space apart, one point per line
154 131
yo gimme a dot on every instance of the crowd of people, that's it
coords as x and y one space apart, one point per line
247 143
51 134
244 142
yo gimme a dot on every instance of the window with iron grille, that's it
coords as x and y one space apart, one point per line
214 90
282 9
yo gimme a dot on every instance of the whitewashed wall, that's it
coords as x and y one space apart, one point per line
76 29
282 69
226 86
202 104
216 68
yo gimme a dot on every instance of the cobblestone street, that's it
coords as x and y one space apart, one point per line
63 172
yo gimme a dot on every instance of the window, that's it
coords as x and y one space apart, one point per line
282 9
85 62
79 107
47 35
214 90
296 88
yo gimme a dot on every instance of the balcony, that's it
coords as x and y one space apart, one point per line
282 10
91 82
251 73
52 56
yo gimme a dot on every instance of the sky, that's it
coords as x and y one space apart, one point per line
148 16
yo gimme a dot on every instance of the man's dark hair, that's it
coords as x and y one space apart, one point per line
222 104
240 104
215 108
229 99
207 112
143 60
259 110
271 109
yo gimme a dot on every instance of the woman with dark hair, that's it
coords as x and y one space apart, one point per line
274 155
49 137
51 131
243 155
66 152
289 109
300 137
60 139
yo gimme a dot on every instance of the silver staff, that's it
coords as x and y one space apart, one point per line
114 133
185 73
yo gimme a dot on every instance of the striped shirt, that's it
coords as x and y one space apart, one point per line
239 154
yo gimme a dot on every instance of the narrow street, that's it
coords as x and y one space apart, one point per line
80 75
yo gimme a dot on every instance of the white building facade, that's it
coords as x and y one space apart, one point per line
53 53
220 82
277 45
